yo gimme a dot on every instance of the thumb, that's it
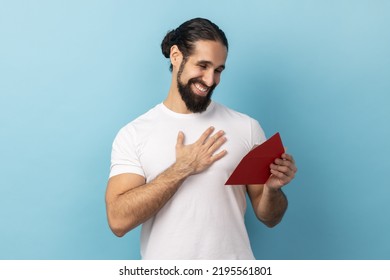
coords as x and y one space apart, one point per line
180 139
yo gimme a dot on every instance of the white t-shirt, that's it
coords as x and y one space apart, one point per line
204 219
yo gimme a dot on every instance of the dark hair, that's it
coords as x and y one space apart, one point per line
190 32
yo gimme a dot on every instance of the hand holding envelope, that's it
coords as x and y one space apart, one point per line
254 168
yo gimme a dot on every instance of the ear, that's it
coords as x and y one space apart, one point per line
176 56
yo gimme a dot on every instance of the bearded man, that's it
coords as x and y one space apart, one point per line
169 166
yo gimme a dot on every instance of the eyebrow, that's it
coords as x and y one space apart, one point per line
210 64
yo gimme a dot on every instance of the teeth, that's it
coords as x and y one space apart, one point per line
203 89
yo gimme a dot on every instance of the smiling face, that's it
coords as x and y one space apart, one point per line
200 73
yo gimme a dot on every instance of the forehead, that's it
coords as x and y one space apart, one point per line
212 51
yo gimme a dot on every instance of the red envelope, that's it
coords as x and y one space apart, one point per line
254 167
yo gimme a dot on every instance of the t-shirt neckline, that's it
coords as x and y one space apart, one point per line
168 111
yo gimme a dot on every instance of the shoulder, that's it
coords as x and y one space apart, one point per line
152 115
148 117
141 124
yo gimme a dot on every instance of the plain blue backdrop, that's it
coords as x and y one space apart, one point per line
72 73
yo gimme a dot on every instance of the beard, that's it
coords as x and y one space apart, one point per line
195 103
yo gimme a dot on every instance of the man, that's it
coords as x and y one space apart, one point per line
169 165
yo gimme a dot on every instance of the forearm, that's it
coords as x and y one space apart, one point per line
271 207
138 204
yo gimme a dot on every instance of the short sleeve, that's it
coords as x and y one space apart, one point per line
257 133
124 157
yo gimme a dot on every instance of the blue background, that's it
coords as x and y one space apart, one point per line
72 73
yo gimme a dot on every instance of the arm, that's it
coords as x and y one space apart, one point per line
268 200
131 201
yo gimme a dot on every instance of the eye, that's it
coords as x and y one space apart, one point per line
219 70
203 66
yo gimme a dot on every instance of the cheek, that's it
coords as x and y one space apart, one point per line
191 75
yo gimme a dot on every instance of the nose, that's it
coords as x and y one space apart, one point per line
209 78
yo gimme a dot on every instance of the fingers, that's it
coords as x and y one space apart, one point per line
210 142
284 167
285 160
282 171
201 154
205 135
218 156
216 141
288 157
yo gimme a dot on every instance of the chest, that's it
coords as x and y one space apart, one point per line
157 148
